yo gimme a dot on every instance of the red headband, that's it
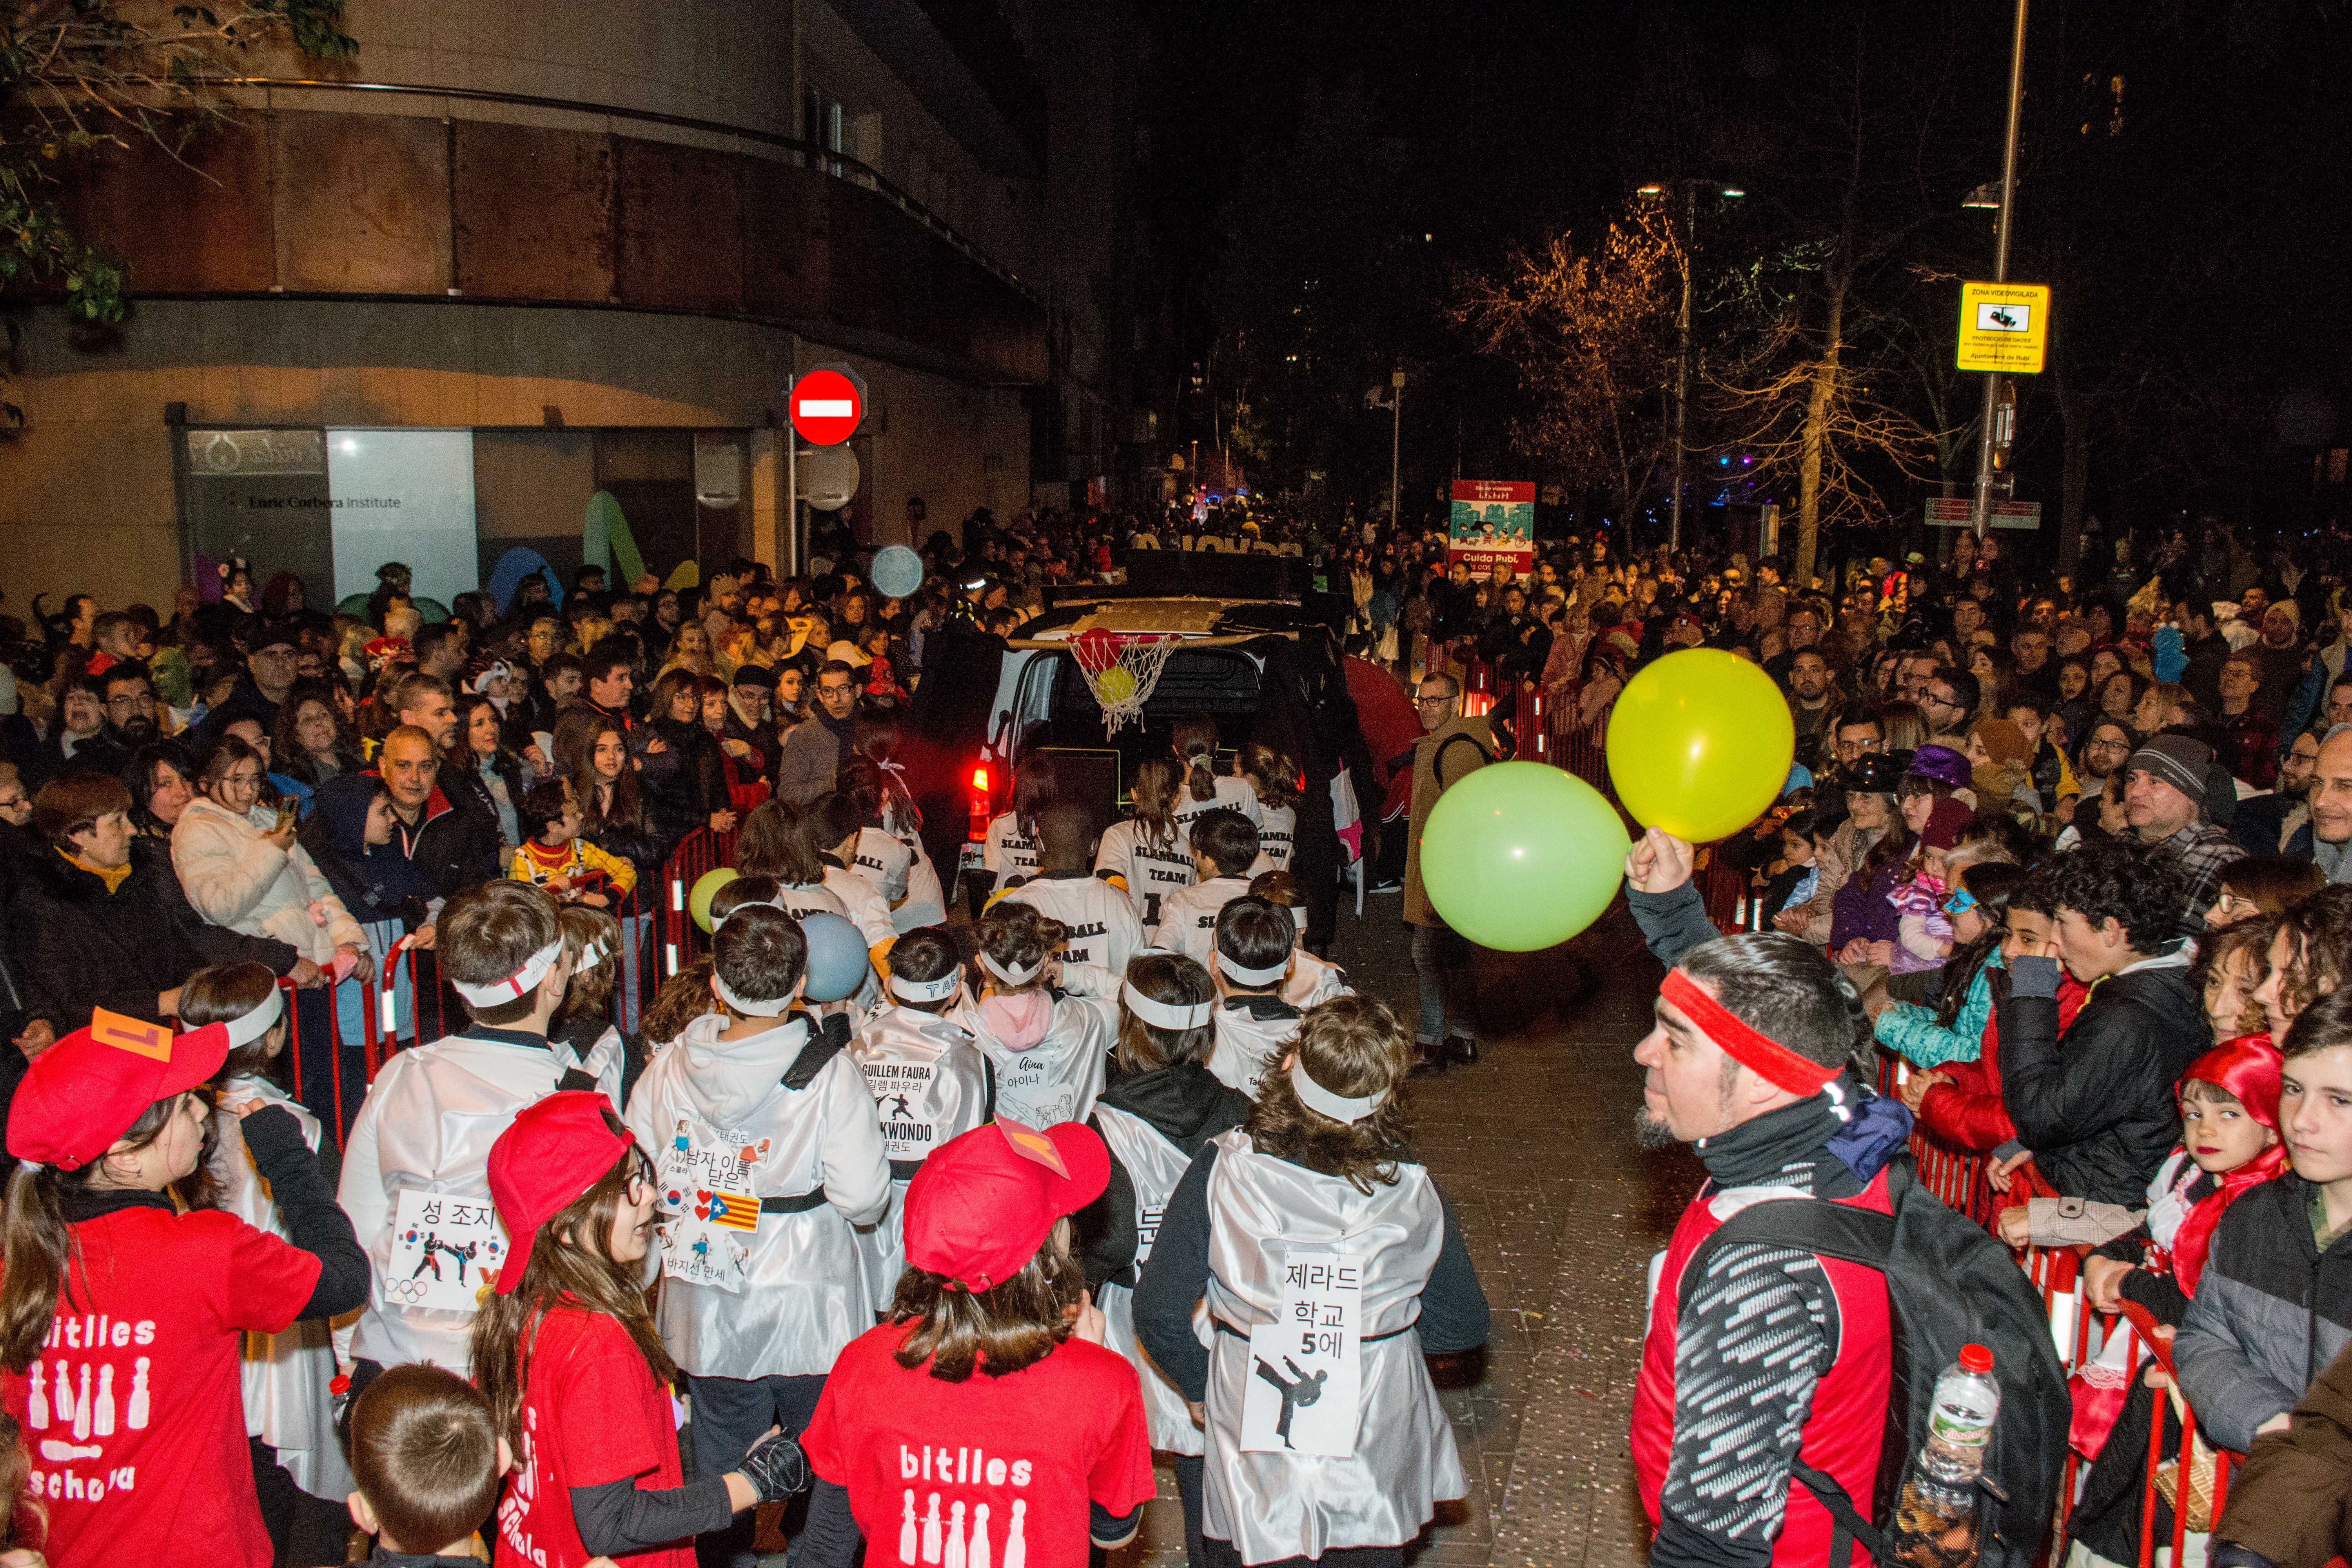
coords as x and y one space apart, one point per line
1767 1057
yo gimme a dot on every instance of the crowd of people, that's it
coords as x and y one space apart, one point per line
923 1255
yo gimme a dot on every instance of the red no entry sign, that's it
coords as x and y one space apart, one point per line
826 406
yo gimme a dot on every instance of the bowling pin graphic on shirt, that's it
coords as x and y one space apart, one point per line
136 1417
102 1422
954 1555
1016 1547
906 1530
931 1532
61 1393
37 1402
976 1553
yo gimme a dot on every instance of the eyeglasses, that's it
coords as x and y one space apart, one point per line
1432 701
2116 746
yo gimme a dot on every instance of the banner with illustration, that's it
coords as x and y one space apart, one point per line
1493 520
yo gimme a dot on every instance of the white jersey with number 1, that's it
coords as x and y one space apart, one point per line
1151 866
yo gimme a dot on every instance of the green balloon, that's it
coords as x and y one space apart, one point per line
1699 745
1522 855
705 887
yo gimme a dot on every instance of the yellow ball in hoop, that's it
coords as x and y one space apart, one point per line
1116 684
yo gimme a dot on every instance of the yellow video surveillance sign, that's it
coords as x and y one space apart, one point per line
2005 327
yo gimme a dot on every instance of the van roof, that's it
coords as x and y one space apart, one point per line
1195 619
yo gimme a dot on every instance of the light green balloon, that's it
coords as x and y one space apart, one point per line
705 887
1699 745
1522 855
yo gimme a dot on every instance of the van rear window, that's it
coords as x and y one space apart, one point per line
1220 682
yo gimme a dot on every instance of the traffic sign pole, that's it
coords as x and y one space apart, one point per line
1984 497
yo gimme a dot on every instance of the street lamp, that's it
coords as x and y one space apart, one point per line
1689 190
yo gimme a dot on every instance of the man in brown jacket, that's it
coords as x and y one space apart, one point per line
2287 1505
1450 747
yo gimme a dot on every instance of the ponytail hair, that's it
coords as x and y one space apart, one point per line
37 1251
1151 799
1019 938
1035 785
875 740
1274 775
1194 740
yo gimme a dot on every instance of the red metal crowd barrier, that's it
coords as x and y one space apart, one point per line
697 855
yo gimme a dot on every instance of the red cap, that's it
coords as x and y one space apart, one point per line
1975 1358
83 1094
984 1203
556 1150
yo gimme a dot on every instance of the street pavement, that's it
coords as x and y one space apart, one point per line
1534 1147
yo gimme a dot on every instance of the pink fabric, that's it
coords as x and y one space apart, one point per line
1019 1020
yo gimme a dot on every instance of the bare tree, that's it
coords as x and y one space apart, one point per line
1592 336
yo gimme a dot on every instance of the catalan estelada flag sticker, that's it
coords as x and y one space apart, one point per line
149 1040
1032 1145
736 1211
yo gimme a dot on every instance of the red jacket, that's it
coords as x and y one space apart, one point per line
1967 1113
1391 724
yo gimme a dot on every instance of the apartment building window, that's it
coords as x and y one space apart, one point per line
823 123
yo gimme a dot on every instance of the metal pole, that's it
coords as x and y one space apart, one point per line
1396 438
1681 362
1982 510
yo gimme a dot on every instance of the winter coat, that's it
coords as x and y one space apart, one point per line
1912 1033
83 947
2097 1109
682 797
1837 861
448 850
2287 1501
1440 759
234 876
1967 1113
2271 1311
1861 910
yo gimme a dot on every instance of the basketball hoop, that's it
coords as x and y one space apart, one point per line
1120 670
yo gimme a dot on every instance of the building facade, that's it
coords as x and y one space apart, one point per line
428 303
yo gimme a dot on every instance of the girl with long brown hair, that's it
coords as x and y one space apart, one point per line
1317 1204
592 755
122 1314
577 1378
1193 739
1144 850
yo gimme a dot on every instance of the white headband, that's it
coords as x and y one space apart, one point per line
1240 976
243 1032
1010 976
590 957
938 990
1337 1107
1164 1015
515 986
749 1008
718 920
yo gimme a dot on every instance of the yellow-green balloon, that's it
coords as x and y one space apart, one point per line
1700 743
1522 855
705 887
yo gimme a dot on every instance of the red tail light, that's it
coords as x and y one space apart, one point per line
979 780
979 827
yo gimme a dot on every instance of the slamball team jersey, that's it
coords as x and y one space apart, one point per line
591 1412
134 1411
934 1469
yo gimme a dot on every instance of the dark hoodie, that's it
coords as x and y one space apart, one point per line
1184 1104
448 852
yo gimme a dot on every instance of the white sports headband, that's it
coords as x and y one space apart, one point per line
938 990
1164 1015
746 904
1337 1107
1240 976
243 1032
1010 976
515 986
749 1008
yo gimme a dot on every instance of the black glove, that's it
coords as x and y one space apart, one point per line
776 1467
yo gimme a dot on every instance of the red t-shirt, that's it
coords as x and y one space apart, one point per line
134 1411
922 1459
591 1412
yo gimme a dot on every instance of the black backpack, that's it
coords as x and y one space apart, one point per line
1949 1284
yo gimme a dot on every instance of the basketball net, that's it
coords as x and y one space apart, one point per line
1120 671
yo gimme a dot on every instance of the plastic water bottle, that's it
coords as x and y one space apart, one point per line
1935 1522
1960 1425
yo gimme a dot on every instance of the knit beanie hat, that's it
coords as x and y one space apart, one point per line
1945 824
2177 761
2004 742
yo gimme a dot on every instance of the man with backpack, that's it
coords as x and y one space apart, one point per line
1811 1279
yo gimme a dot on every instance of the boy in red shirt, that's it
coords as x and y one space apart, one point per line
1042 1453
